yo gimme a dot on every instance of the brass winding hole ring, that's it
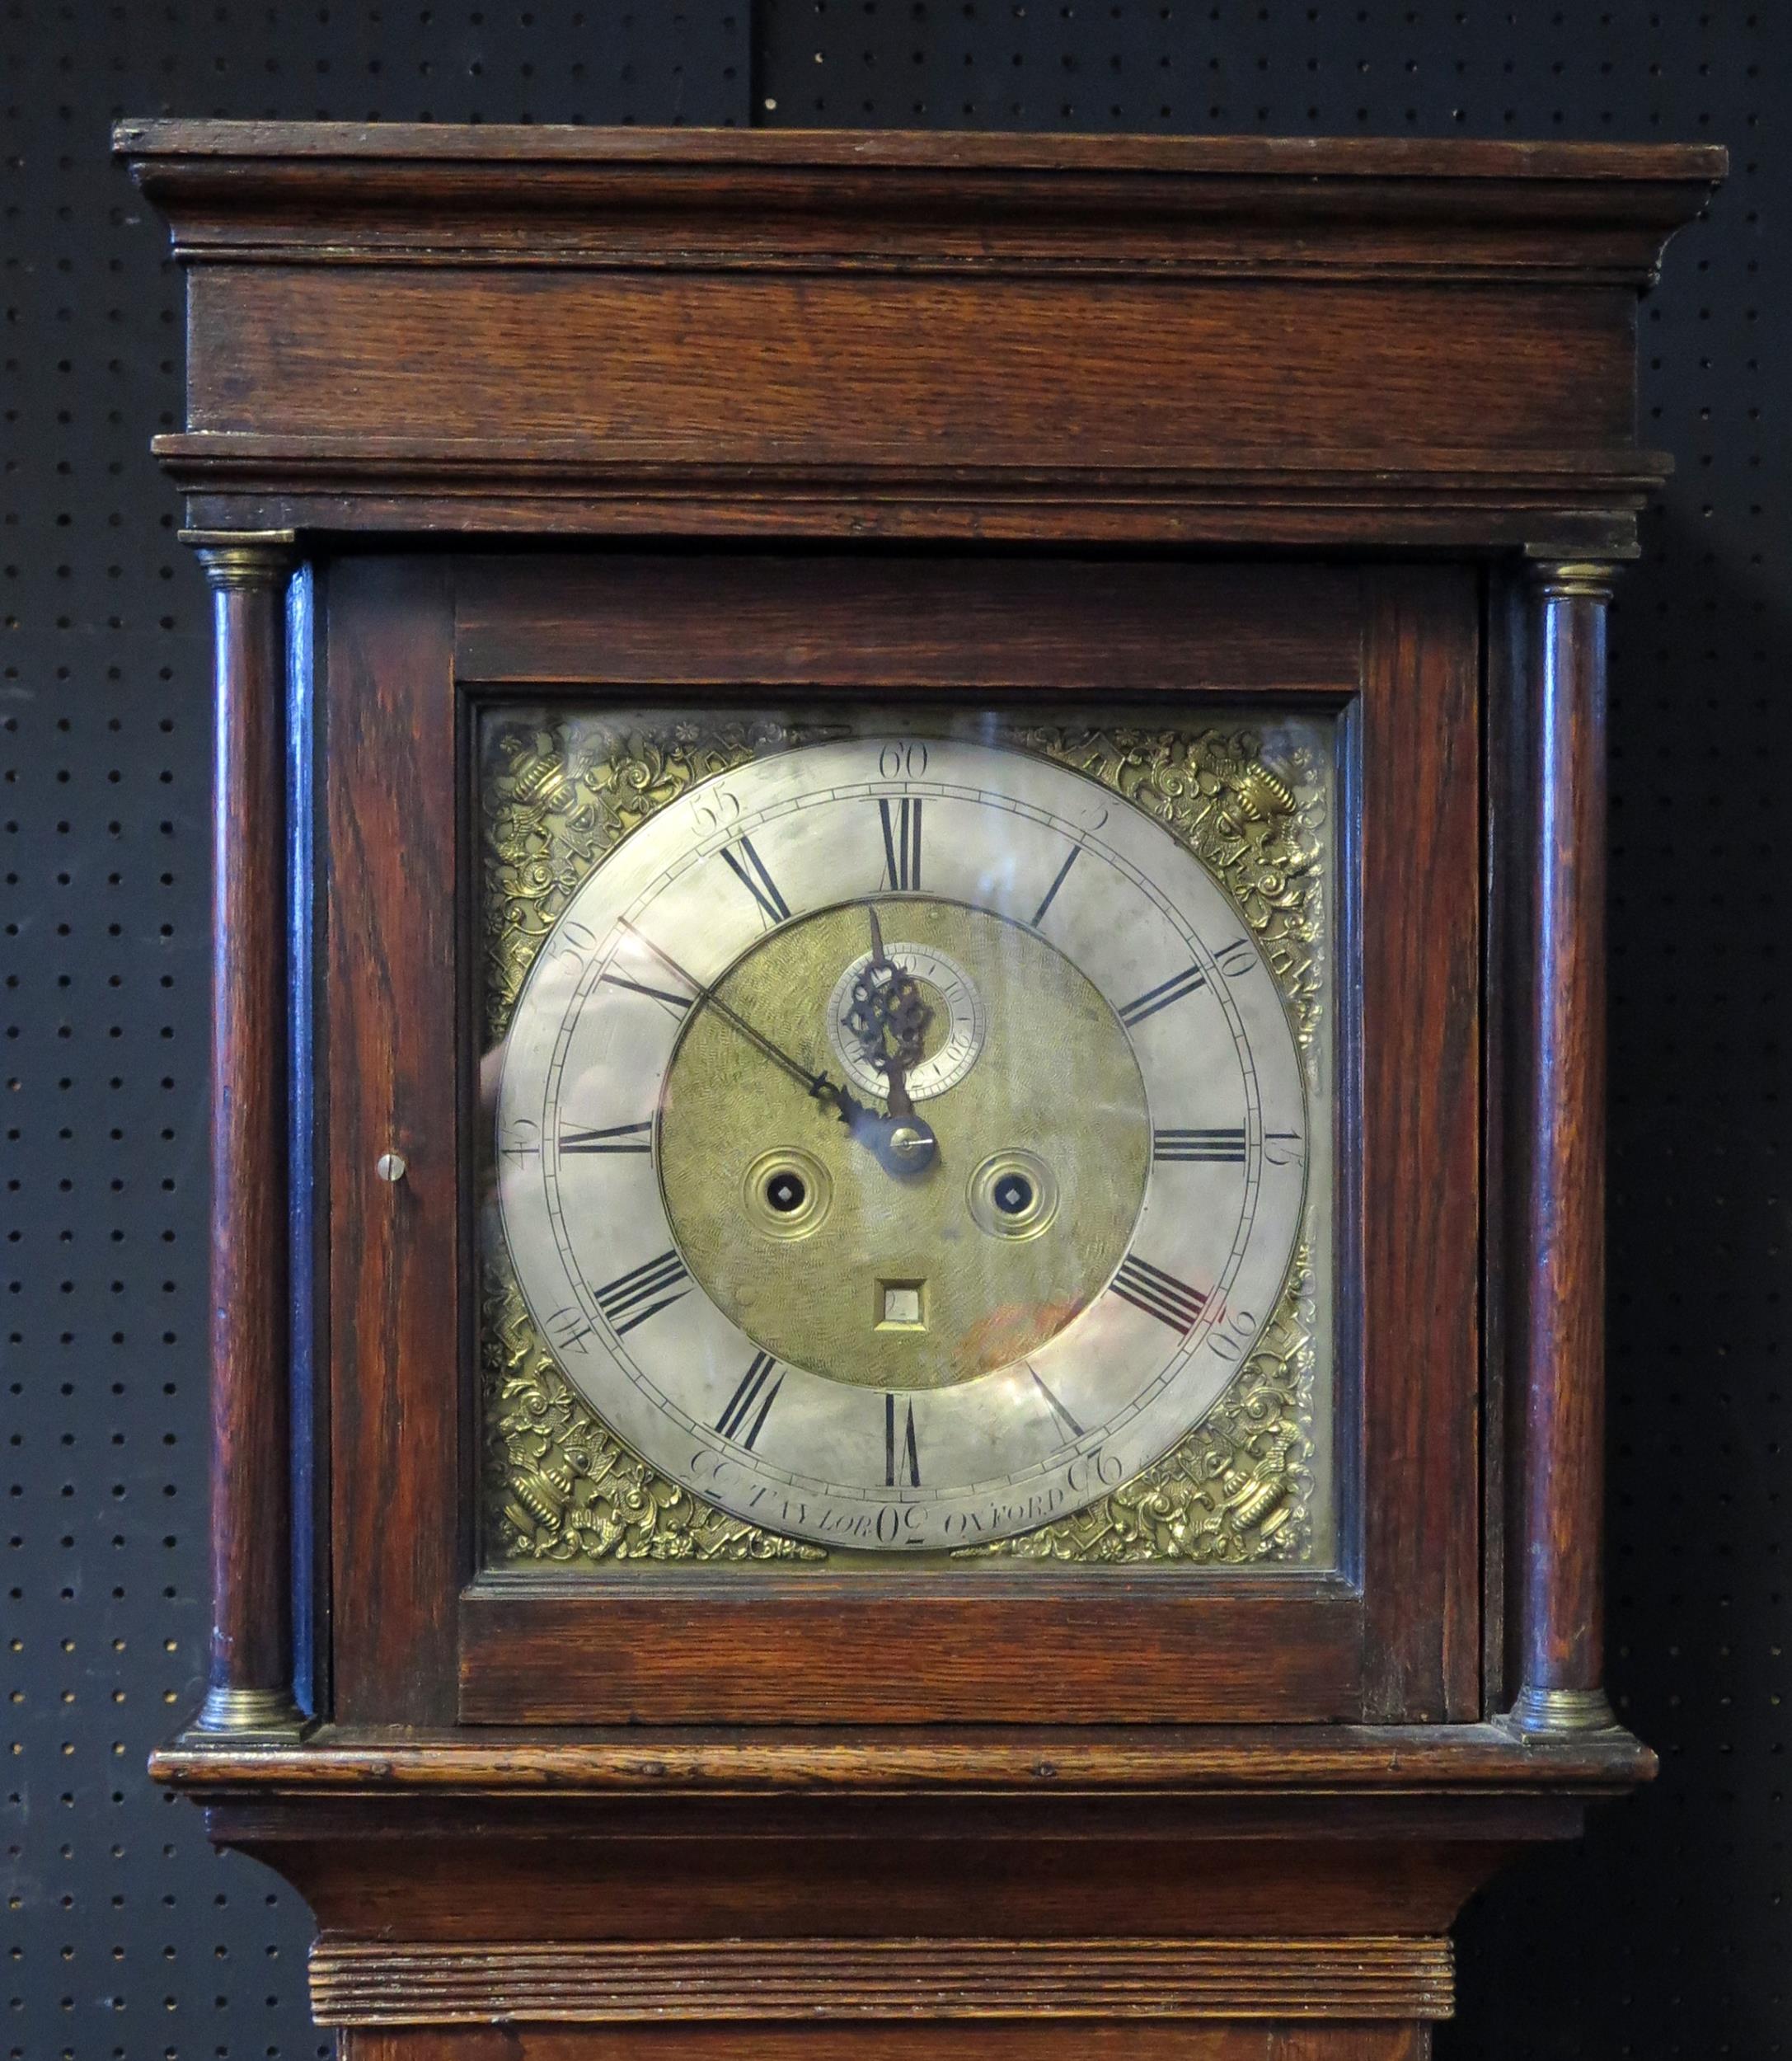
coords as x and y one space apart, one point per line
777 1219
1013 1195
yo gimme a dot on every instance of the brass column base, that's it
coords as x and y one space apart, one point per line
246 1714
1540 1712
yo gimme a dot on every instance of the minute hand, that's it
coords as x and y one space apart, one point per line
818 1085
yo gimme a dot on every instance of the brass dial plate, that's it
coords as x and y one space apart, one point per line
964 1449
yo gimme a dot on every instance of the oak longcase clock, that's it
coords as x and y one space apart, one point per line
907 1346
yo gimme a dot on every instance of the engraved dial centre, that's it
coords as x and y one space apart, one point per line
1006 1237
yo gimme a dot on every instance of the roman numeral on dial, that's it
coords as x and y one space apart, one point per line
1051 892
1160 997
902 1457
1208 1148
644 1291
751 1403
1159 1294
619 1137
902 842
1066 1423
748 868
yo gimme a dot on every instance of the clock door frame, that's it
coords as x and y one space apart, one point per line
407 647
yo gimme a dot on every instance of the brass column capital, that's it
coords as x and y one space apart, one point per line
244 558
1574 578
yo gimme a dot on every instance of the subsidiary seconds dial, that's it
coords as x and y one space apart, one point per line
901 1146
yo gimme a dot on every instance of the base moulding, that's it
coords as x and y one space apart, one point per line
388 1983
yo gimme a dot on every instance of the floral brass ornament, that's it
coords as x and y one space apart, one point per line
560 793
1238 1489
560 1488
1255 830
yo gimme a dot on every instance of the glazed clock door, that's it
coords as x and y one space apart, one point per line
917 1208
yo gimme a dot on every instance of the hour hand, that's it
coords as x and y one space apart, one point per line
889 1020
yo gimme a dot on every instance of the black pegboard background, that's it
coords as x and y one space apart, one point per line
1667 1934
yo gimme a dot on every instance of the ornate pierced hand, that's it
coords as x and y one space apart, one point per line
890 1018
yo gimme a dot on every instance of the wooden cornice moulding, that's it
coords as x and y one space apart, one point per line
694 198
475 486
1134 340
395 1983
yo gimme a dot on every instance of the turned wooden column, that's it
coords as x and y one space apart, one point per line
1563 1343
250 1683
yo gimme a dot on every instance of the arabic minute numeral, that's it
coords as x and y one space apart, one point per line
1158 1294
1236 958
572 943
1282 1149
1229 1342
748 868
752 1399
902 842
619 1137
1162 995
901 1457
520 1142
714 806
643 1291
1199 1147
567 1328
902 761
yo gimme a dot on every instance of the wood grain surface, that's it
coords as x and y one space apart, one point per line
242 143
1126 2041
392 988
251 1647
1563 1291
759 623
1419 831
872 372
867 1648
528 1877
1106 1761
412 1982
1132 339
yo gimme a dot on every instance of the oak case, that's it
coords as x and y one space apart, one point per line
1345 429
